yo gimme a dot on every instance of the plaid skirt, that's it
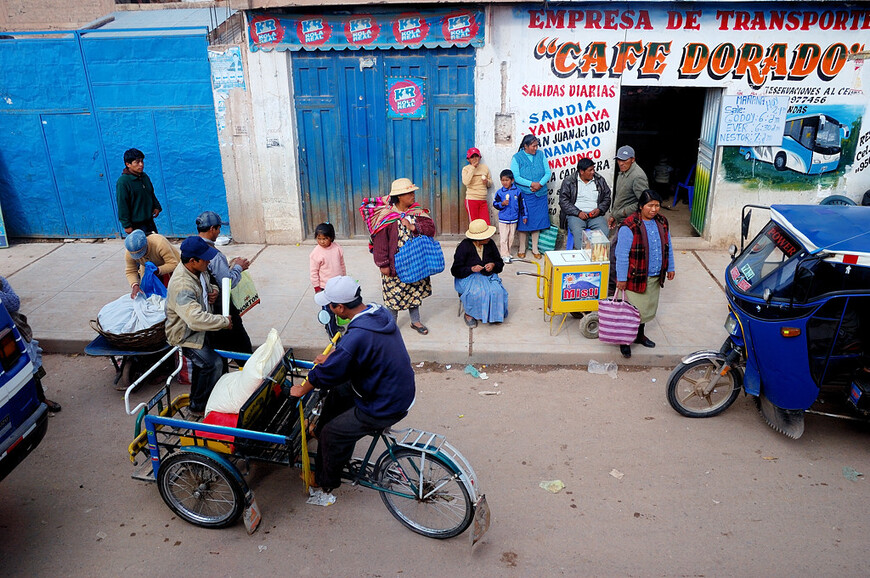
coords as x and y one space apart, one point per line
399 296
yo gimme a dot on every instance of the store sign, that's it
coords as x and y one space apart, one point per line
406 97
710 44
331 31
752 120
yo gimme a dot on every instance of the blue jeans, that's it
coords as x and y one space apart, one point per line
576 226
211 367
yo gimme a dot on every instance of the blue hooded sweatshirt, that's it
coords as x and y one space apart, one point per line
372 356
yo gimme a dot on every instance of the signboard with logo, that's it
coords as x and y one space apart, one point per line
406 97
443 28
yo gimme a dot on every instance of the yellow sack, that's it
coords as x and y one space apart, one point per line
244 294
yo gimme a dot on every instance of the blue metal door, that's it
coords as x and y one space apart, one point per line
76 163
71 105
349 149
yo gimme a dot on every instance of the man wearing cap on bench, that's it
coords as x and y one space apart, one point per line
368 376
189 318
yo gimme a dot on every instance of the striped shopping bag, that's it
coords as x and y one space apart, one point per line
618 320
546 240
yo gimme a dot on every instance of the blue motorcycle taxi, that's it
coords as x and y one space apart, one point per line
798 323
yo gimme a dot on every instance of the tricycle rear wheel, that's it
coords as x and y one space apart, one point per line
444 511
200 490
688 381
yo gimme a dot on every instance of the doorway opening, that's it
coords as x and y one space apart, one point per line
664 123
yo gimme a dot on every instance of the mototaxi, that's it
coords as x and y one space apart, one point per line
799 321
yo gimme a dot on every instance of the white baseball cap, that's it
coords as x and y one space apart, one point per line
341 289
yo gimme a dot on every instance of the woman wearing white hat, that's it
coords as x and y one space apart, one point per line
405 219
476 265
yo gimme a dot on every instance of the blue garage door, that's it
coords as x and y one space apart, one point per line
71 105
349 148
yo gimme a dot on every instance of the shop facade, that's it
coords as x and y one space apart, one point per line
750 103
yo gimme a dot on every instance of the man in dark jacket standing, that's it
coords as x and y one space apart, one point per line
137 203
368 376
584 198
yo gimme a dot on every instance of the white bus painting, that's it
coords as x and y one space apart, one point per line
811 145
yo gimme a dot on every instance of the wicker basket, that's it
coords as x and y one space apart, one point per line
151 338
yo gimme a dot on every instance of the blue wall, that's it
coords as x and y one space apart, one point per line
69 108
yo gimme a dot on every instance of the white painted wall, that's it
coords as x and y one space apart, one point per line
258 151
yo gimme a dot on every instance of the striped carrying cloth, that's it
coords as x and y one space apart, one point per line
618 320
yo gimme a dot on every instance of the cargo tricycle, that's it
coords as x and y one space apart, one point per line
199 468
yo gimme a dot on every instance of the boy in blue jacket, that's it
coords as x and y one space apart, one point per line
368 376
507 201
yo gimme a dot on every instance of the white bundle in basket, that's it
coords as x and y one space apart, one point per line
125 315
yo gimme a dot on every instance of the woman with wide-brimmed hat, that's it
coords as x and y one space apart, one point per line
476 265
404 220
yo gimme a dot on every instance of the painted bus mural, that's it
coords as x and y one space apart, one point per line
811 144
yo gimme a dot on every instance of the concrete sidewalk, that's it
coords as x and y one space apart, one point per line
63 285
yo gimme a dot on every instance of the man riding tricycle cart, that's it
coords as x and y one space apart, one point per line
424 481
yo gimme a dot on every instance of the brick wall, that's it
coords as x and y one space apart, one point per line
51 14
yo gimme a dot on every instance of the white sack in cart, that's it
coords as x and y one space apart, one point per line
125 315
233 389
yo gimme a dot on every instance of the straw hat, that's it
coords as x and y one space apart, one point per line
402 186
478 230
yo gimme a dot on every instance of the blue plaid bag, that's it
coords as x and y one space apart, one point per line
419 258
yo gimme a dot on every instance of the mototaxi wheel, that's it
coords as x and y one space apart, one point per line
688 382
200 490
445 509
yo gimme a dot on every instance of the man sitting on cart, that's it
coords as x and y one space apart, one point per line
368 376
189 319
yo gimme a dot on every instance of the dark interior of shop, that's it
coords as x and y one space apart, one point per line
663 122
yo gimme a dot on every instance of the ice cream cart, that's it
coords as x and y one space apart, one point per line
573 282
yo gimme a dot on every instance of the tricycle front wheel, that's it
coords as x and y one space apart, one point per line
425 493
200 490
689 391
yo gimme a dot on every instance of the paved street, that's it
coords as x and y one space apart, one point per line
722 496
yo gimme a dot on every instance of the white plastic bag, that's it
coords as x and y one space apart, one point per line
233 389
125 315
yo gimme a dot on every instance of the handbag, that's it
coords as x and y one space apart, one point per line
618 320
244 294
418 258
151 283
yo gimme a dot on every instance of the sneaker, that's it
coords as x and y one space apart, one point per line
506 259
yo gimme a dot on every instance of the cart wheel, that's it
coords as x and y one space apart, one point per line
589 325
200 490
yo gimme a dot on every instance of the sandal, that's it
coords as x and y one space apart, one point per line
537 255
53 406
470 321
521 255
421 329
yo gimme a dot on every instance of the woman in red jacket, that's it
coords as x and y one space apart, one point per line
405 220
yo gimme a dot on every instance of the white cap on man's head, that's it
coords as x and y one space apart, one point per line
341 289
625 153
